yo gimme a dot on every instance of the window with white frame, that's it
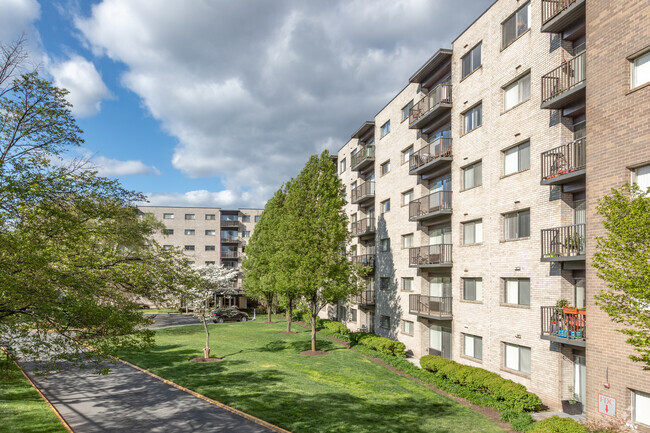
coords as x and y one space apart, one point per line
406 109
168 216
342 165
210 232
471 60
473 289
167 247
516 225
190 216
245 234
385 129
385 245
407 327
473 118
641 407
516 25
473 232
385 168
384 322
516 358
353 315
473 346
245 218
385 206
473 175
641 176
169 231
257 218
516 158
407 197
641 70
516 93
189 247
210 216
209 263
516 291
406 154
190 232
210 248
407 240
407 284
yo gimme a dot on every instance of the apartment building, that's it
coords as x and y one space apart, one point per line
467 196
208 236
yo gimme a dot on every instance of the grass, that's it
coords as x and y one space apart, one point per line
21 407
263 374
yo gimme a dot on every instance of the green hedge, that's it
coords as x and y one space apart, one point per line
382 344
335 327
556 424
508 394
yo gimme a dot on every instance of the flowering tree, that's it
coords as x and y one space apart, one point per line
210 279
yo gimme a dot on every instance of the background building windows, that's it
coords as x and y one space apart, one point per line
353 315
516 225
407 284
407 197
641 176
257 218
406 155
407 327
473 118
385 206
473 289
516 158
515 25
516 93
209 263
245 218
385 128
189 247
384 322
384 283
385 168
210 232
407 240
168 216
210 248
516 291
189 232
406 109
342 169
471 60
210 216
473 232
641 70
384 245
190 216
473 175
517 358
169 231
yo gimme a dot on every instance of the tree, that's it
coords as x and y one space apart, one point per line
316 234
622 259
210 278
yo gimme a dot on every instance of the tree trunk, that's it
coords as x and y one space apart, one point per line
289 312
206 350
312 319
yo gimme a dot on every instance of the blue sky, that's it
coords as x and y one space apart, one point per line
215 103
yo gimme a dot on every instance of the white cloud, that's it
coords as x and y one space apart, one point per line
80 77
113 167
224 199
16 17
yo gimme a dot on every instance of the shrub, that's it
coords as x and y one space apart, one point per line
335 327
382 345
522 422
556 424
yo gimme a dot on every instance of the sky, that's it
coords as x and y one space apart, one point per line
217 103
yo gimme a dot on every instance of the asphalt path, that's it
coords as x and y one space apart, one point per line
163 320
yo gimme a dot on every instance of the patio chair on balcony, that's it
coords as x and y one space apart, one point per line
559 165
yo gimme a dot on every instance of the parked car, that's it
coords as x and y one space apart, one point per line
228 315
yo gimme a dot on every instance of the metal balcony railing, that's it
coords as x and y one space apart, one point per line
564 159
430 204
363 227
366 154
565 77
430 255
560 243
365 260
552 8
439 148
564 324
441 94
229 239
229 223
433 306
363 191
367 297
229 254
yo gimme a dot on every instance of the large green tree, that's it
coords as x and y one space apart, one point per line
622 259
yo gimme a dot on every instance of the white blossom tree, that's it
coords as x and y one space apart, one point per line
210 279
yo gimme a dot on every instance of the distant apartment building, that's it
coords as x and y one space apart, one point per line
470 196
208 236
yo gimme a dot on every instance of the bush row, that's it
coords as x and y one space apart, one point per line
557 425
382 345
335 327
511 394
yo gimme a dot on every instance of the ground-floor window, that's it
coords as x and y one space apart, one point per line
641 407
353 315
407 327
473 346
517 358
384 322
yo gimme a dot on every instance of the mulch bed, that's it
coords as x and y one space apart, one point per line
202 359
314 353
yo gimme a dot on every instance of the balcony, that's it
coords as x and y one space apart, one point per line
367 260
229 255
365 226
364 192
365 299
229 223
431 156
430 206
436 102
229 239
561 244
557 15
363 158
565 163
431 256
565 84
564 325
433 307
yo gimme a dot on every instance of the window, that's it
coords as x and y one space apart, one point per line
516 225
342 166
210 216
407 197
384 322
516 93
516 158
167 247
190 216
406 109
245 218
472 119
517 358
473 289
385 206
516 291
384 283
385 129
473 232
406 155
209 263
641 407
407 240
245 234
473 346
210 232
641 70
385 245
353 315
407 284
168 216
169 231
210 248
516 25
189 232
189 247
471 60
385 168
407 327
473 175
257 218
641 176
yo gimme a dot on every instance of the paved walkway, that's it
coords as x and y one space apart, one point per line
128 400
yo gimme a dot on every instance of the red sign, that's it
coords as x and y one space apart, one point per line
606 405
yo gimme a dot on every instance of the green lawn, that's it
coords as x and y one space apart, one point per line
21 408
263 374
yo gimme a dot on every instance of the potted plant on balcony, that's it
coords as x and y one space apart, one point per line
572 406
575 243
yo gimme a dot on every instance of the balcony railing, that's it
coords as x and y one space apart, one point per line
441 94
365 260
363 226
432 306
430 205
565 77
229 223
364 191
367 297
229 265
440 148
564 325
229 239
363 156
229 255
431 255
563 160
552 8
563 243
